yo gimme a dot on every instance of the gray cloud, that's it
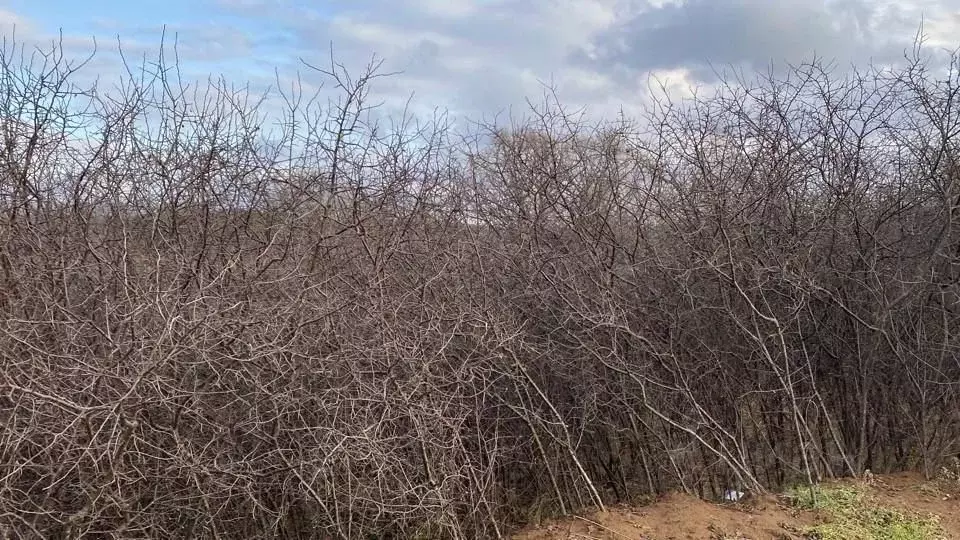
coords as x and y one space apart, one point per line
470 56
479 57
755 33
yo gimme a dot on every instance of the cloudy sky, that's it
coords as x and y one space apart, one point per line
478 57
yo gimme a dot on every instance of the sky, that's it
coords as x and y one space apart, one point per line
479 58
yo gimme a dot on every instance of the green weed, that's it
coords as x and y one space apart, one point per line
847 513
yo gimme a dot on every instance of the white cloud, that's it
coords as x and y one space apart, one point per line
481 56
11 24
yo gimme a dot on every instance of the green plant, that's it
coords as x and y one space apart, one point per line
847 513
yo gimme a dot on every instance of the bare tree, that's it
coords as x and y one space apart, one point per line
344 327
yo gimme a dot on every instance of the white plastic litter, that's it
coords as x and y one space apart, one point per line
732 495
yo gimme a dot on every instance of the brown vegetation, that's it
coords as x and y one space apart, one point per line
212 328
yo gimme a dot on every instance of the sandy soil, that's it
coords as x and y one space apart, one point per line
676 516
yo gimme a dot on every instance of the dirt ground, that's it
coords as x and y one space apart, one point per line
911 492
677 516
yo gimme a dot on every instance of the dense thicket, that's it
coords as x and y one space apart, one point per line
336 328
